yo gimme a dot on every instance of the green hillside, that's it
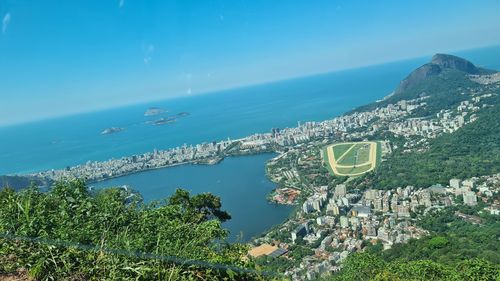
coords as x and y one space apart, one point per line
473 150
443 80
70 233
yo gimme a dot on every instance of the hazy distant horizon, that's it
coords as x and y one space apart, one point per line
60 59
236 87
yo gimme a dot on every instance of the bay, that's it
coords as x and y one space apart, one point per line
72 140
235 113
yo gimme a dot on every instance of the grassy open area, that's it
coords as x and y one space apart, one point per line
357 155
355 170
352 158
379 153
340 149
325 159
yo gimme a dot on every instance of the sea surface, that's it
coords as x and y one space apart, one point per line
72 140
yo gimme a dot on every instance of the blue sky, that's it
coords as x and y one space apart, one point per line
64 57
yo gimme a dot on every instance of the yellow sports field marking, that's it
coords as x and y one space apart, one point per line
344 154
357 166
333 162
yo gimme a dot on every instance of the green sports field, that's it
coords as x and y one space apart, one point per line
352 158
357 155
355 170
340 149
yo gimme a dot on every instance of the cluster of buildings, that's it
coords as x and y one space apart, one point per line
316 201
335 222
446 121
486 79
96 171
343 223
280 170
487 190
286 196
391 117
478 189
464 189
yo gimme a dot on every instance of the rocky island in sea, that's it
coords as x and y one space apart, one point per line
111 130
153 111
162 121
182 114
167 120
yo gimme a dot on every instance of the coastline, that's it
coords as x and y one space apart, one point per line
240 182
209 162
195 162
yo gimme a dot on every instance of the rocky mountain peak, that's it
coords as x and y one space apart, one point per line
438 64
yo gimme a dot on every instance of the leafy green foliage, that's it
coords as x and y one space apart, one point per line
361 266
438 242
473 150
443 89
452 240
366 266
201 207
186 227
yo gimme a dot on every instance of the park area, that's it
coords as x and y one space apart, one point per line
352 158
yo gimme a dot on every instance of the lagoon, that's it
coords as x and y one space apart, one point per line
239 181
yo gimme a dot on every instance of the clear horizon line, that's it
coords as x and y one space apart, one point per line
234 87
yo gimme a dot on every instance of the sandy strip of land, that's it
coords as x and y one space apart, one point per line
351 166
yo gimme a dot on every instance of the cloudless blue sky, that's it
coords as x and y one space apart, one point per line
63 57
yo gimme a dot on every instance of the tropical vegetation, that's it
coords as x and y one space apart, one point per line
71 233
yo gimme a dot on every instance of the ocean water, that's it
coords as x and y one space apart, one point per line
241 183
73 140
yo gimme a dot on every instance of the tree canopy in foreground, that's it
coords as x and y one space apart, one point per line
114 224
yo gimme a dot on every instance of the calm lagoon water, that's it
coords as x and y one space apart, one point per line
239 181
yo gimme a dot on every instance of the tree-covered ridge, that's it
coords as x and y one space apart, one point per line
452 239
366 266
444 91
184 226
473 150
443 80
20 182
